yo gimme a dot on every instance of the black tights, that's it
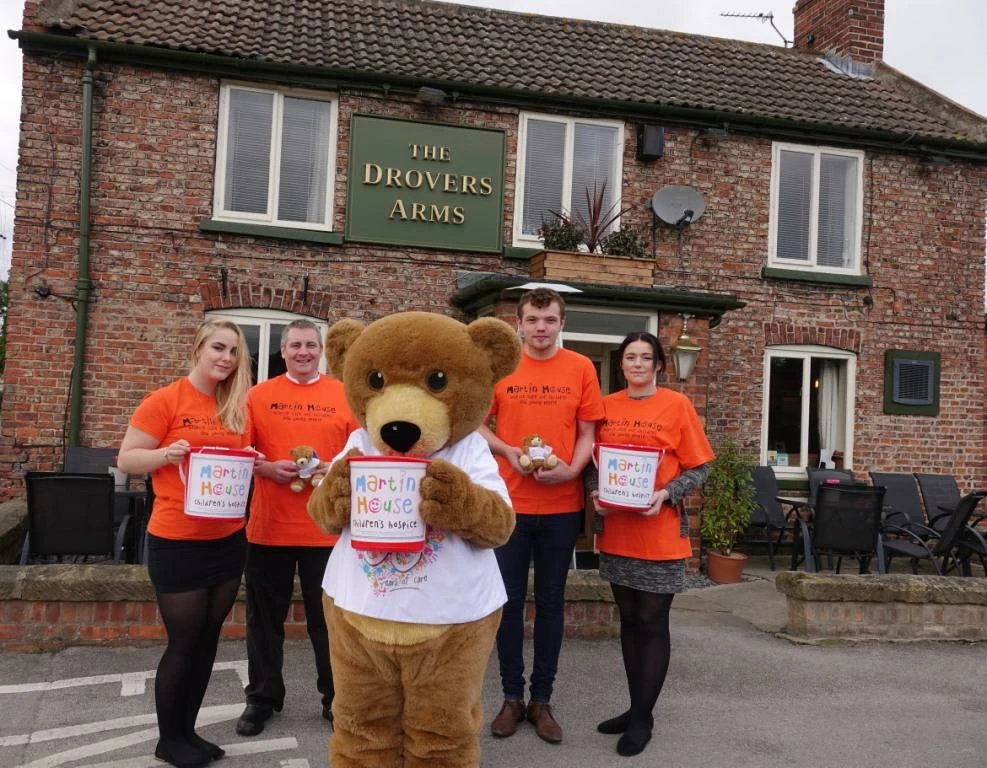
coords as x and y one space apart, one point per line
646 646
193 621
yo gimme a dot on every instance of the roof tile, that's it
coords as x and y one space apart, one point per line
559 56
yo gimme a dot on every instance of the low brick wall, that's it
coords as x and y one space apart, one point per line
884 607
47 607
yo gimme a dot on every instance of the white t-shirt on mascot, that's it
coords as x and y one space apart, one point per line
449 582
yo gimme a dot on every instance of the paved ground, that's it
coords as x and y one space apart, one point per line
736 695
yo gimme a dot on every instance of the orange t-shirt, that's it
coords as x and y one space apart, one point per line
665 420
181 412
284 414
546 397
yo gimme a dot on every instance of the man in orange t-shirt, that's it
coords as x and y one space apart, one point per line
300 407
555 393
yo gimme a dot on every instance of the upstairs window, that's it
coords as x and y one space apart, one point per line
558 160
816 208
275 157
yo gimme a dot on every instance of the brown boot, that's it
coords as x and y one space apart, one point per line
540 715
506 722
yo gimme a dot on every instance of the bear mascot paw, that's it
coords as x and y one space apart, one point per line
412 624
310 467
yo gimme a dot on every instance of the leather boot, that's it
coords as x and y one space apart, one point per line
540 715
506 722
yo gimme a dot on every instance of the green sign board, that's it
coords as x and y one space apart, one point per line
426 184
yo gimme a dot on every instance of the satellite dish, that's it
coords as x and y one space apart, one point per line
677 205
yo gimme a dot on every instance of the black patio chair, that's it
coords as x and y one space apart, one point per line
902 502
768 516
845 522
819 476
70 515
941 494
948 550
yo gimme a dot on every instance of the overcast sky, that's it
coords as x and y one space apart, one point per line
938 43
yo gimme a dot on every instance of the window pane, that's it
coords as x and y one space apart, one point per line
544 155
275 363
593 155
252 333
304 161
794 202
248 151
837 206
785 407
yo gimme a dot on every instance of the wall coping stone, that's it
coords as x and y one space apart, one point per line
882 588
107 582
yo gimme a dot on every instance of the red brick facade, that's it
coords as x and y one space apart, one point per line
155 272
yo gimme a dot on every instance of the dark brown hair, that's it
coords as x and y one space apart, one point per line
541 298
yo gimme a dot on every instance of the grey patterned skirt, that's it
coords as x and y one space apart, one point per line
663 577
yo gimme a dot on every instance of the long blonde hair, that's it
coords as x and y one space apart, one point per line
231 393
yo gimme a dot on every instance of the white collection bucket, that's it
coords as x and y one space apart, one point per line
217 482
385 495
627 474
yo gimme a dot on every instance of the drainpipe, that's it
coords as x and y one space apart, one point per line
84 284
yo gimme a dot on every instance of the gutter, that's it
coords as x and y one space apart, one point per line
83 284
485 288
322 77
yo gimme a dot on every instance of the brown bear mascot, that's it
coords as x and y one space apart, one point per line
411 632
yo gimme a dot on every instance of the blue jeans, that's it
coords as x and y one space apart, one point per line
550 539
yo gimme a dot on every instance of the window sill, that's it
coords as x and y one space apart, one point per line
806 276
266 230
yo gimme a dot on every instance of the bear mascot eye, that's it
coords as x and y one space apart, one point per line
437 381
375 380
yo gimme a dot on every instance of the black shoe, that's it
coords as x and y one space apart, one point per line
214 750
181 754
616 724
327 713
634 740
252 720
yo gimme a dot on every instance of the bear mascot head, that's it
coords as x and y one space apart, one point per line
411 631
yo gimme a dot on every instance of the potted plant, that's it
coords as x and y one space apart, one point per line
728 501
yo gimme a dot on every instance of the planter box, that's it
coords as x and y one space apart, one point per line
592 268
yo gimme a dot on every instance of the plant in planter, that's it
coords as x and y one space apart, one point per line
625 241
728 501
599 218
561 233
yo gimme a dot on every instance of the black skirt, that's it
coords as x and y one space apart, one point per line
184 565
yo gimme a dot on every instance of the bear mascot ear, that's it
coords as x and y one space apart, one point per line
498 341
339 338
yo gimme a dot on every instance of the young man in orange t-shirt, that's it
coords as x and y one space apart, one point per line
300 407
555 393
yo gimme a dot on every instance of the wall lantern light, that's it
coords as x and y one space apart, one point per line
685 352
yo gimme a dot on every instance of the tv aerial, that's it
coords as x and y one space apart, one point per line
678 206
761 17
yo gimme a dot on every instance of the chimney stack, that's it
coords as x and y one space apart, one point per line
853 28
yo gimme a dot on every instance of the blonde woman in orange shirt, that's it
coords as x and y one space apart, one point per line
643 552
195 564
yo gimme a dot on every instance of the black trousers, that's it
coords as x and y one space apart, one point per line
270 576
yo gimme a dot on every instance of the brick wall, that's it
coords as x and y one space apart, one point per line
155 273
47 607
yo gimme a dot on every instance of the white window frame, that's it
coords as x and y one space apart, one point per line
264 319
532 241
806 352
270 218
776 149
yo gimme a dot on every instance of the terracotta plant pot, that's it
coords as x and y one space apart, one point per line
725 569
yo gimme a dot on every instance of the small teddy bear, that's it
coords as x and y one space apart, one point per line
536 453
309 463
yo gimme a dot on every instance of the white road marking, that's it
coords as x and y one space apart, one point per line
232 750
131 683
